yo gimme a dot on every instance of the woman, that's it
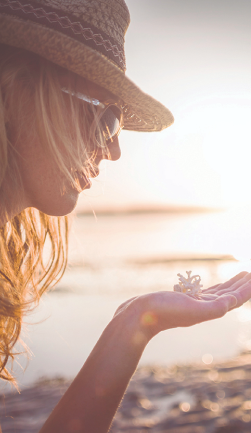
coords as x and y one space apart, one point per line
64 99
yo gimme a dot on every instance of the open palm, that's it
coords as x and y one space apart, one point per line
167 309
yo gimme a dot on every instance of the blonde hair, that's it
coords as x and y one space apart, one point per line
29 80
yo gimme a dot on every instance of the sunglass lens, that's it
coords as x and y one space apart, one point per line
109 124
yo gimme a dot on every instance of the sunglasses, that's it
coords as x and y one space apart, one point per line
108 118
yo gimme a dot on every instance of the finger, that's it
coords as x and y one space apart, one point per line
203 297
212 288
191 295
208 296
242 294
209 310
236 278
235 286
236 281
233 283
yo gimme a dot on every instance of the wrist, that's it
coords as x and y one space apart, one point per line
149 324
138 320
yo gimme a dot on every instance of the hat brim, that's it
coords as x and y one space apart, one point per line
141 111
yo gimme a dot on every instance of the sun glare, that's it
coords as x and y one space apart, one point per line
237 224
202 160
224 128
227 146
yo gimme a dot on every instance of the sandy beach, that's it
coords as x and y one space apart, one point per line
196 398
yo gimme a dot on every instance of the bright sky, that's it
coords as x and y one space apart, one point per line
193 56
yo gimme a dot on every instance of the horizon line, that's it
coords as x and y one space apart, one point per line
130 210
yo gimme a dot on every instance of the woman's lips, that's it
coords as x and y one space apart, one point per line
84 182
94 172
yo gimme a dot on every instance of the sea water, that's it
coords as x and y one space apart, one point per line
113 257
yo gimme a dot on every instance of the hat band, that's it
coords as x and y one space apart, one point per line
82 32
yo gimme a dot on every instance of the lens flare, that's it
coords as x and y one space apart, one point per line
149 319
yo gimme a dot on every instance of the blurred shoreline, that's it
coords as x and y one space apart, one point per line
189 398
146 209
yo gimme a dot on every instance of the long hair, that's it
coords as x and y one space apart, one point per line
26 269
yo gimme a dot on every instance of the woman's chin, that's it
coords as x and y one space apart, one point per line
60 207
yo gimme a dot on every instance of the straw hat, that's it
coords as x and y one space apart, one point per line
87 38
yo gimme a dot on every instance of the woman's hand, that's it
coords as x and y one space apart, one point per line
92 399
164 310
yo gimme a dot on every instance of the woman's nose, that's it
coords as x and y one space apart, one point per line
113 150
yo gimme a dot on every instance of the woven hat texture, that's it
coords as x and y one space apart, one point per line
87 38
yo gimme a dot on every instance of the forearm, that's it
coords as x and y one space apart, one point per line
92 399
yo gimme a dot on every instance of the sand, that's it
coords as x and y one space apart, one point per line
195 398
